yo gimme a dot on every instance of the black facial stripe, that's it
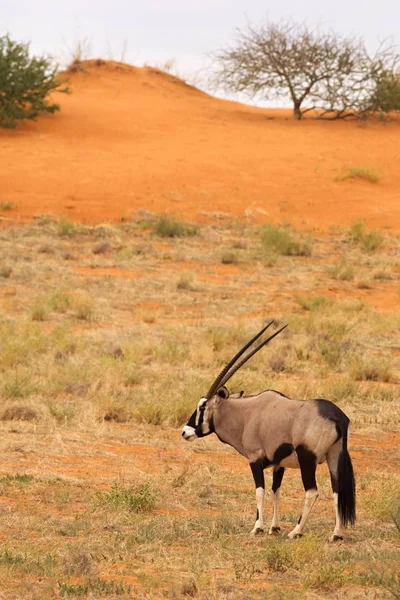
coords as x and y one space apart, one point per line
192 420
201 414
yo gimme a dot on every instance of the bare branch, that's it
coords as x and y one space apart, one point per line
330 73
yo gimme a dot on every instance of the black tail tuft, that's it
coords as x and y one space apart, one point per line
346 485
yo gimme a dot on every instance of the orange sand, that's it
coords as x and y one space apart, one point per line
128 139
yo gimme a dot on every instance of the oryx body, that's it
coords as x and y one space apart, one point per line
271 430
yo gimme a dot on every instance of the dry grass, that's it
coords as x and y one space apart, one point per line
359 172
100 365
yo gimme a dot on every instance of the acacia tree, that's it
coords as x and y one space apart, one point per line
317 71
25 83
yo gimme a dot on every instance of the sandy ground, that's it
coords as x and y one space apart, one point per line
129 139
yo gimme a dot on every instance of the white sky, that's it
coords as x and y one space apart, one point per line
154 31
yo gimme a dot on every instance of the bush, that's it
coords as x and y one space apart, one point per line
279 240
25 83
167 227
368 241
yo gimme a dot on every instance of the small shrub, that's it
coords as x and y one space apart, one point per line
325 576
19 413
39 312
368 241
277 362
341 272
66 228
383 275
279 556
279 240
364 173
8 206
363 284
46 249
60 301
229 258
101 248
185 282
364 369
138 500
190 588
311 303
18 386
83 307
169 227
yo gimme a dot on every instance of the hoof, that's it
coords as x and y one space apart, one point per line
336 538
274 530
257 531
294 536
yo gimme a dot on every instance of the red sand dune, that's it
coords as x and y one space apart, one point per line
135 138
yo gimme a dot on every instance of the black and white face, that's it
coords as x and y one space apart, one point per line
199 424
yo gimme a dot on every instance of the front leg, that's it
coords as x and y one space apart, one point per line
277 477
258 474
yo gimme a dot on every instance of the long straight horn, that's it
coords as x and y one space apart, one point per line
248 356
217 382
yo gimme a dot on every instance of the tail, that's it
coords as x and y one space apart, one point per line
346 483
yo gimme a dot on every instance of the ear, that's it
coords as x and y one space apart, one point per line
237 395
223 392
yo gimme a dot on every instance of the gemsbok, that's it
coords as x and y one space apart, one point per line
270 429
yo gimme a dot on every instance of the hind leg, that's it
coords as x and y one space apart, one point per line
308 467
277 476
332 459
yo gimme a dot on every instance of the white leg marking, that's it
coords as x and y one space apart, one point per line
275 518
258 527
337 532
311 496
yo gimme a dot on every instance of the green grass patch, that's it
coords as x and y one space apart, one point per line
140 499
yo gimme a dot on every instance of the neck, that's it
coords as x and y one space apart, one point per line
228 419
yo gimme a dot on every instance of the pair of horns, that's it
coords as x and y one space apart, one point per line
226 374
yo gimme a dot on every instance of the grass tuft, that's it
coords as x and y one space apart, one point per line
279 240
360 172
138 499
172 228
369 241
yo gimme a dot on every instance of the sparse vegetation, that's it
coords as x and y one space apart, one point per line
171 228
341 271
369 241
135 508
280 240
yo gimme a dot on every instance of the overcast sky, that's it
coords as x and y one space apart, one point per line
154 31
